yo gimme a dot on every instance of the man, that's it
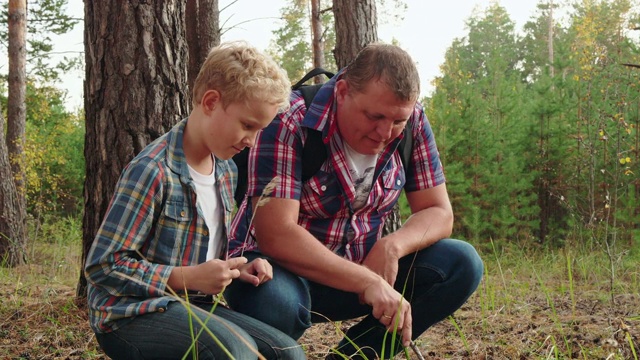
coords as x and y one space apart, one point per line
325 235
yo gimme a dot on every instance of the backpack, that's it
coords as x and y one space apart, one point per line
314 152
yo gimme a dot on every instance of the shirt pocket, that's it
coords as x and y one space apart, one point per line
321 196
392 183
173 227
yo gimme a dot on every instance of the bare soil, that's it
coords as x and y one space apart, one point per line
55 327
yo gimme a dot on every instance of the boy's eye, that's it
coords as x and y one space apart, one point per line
399 122
246 126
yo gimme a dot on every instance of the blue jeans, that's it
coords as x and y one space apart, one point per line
166 335
439 279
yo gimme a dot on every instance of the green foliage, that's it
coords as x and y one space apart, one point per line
54 153
45 18
54 137
540 149
292 44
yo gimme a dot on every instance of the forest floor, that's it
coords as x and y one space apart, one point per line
511 316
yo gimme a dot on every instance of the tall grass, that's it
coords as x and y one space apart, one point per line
534 303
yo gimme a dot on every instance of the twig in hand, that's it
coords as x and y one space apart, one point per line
262 200
415 349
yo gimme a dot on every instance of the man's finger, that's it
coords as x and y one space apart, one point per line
407 328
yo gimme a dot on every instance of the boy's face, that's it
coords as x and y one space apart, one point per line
232 129
369 120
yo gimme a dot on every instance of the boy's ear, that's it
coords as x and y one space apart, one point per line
211 99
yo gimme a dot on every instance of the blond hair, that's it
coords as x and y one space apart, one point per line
389 64
241 73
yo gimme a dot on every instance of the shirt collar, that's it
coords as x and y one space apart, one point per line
321 113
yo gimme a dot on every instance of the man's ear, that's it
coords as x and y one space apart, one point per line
342 88
211 99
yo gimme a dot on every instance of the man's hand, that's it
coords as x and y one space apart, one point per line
383 260
256 272
390 308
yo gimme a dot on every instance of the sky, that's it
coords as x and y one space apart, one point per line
427 30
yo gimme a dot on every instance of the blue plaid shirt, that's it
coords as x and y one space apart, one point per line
154 213
326 199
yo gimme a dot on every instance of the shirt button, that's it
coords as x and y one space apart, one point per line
398 182
347 247
206 233
182 213
161 310
323 187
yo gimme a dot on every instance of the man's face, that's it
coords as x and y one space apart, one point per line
369 120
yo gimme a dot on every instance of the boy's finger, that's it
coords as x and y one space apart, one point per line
236 262
235 273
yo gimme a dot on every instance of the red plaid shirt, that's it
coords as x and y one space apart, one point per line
326 199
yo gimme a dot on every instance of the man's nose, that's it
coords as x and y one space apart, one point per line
385 130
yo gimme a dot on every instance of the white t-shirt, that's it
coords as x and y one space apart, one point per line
210 203
361 167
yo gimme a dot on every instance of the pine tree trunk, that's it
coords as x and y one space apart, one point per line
316 39
12 226
13 237
356 26
135 90
203 33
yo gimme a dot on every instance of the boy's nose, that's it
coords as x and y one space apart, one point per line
250 140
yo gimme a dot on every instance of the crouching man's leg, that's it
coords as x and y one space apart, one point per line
437 281
282 302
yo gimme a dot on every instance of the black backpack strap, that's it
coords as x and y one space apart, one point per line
311 74
314 153
405 148
242 162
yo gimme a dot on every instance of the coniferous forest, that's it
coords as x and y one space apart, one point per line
538 128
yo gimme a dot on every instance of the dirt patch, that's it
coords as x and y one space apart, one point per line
532 328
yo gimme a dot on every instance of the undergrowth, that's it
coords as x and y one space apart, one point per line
533 303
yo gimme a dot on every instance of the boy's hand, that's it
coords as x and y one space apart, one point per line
214 275
256 272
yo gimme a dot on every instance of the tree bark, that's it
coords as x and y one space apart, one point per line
316 39
13 221
550 39
203 32
356 26
12 226
136 71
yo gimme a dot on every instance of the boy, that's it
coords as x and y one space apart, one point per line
165 228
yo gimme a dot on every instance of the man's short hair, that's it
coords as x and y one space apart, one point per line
389 64
241 73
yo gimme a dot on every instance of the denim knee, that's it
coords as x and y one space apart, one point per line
282 302
469 266
449 263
